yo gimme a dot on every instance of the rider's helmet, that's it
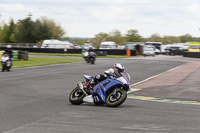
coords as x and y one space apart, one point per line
118 67
8 46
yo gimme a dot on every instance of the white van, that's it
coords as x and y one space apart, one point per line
53 43
148 51
108 45
157 45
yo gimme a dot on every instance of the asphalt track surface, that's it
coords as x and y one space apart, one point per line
35 100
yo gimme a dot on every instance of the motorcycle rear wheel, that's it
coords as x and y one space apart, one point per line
76 96
117 99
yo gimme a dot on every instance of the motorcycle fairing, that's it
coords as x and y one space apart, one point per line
8 63
87 77
101 89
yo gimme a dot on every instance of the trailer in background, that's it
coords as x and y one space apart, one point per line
53 43
108 45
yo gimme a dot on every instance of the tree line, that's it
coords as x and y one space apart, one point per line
29 31
133 36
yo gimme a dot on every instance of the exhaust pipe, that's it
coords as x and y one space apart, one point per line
80 85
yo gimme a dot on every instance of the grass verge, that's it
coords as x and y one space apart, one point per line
38 61
55 54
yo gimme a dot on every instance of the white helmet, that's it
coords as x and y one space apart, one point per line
119 67
8 46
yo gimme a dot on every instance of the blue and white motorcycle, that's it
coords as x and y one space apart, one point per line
112 91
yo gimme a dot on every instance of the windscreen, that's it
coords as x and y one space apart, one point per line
126 76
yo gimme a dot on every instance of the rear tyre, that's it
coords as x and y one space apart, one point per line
114 100
76 96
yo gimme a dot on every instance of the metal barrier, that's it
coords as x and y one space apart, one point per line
191 54
74 51
20 45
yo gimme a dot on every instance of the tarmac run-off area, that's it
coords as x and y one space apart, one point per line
180 84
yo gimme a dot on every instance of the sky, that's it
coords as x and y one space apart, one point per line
86 18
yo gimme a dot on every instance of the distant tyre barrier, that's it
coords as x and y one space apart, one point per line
23 55
15 55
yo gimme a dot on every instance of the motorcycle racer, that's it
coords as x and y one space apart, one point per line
109 88
117 69
9 51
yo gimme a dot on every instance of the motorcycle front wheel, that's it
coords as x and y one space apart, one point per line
8 69
76 96
116 98
92 60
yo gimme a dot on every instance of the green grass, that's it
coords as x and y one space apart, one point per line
55 54
80 55
38 61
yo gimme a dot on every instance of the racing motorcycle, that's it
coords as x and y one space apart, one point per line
112 91
89 57
6 62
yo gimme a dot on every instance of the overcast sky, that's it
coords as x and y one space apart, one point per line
86 18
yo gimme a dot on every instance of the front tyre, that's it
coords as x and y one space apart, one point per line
115 99
76 96
8 69
92 60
